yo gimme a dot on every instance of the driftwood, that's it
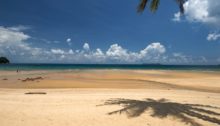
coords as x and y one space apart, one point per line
40 93
33 79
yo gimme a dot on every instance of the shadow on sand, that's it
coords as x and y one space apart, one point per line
162 108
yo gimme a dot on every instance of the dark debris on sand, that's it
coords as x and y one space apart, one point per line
4 79
31 93
32 79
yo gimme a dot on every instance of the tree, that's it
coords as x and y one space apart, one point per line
155 3
4 60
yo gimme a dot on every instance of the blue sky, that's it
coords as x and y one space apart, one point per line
109 31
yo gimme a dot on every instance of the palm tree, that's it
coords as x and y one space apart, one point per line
154 5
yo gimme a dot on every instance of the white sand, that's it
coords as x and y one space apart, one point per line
78 106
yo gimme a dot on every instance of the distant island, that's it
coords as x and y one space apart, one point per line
4 60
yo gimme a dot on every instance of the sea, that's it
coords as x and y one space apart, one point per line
28 67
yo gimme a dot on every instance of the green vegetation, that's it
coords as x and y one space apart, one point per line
4 60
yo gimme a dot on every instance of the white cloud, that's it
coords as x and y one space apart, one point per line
86 46
203 11
68 40
154 49
99 54
96 56
197 10
213 36
181 58
177 17
177 58
14 44
19 28
71 51
11 40
203 59
206 12
117 52
62 56
57 51
11 36
151 53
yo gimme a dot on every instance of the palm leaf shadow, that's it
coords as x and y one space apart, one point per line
162 108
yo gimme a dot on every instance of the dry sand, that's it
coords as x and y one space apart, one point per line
110 97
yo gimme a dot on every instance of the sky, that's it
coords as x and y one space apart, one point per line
109 32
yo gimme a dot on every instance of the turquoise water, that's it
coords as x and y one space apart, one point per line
106 66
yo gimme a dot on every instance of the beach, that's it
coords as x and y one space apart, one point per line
110 97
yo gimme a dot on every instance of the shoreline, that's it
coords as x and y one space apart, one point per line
119 69
54 67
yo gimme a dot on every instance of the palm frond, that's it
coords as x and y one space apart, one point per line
180 3
142 5
154 5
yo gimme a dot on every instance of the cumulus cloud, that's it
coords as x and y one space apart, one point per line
9 36
68 40
149 54
203 11
71 51
86 46
206 12
181 58
11 41
99 55
14 44
154 49
177 17
213 36
57 51
116 52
